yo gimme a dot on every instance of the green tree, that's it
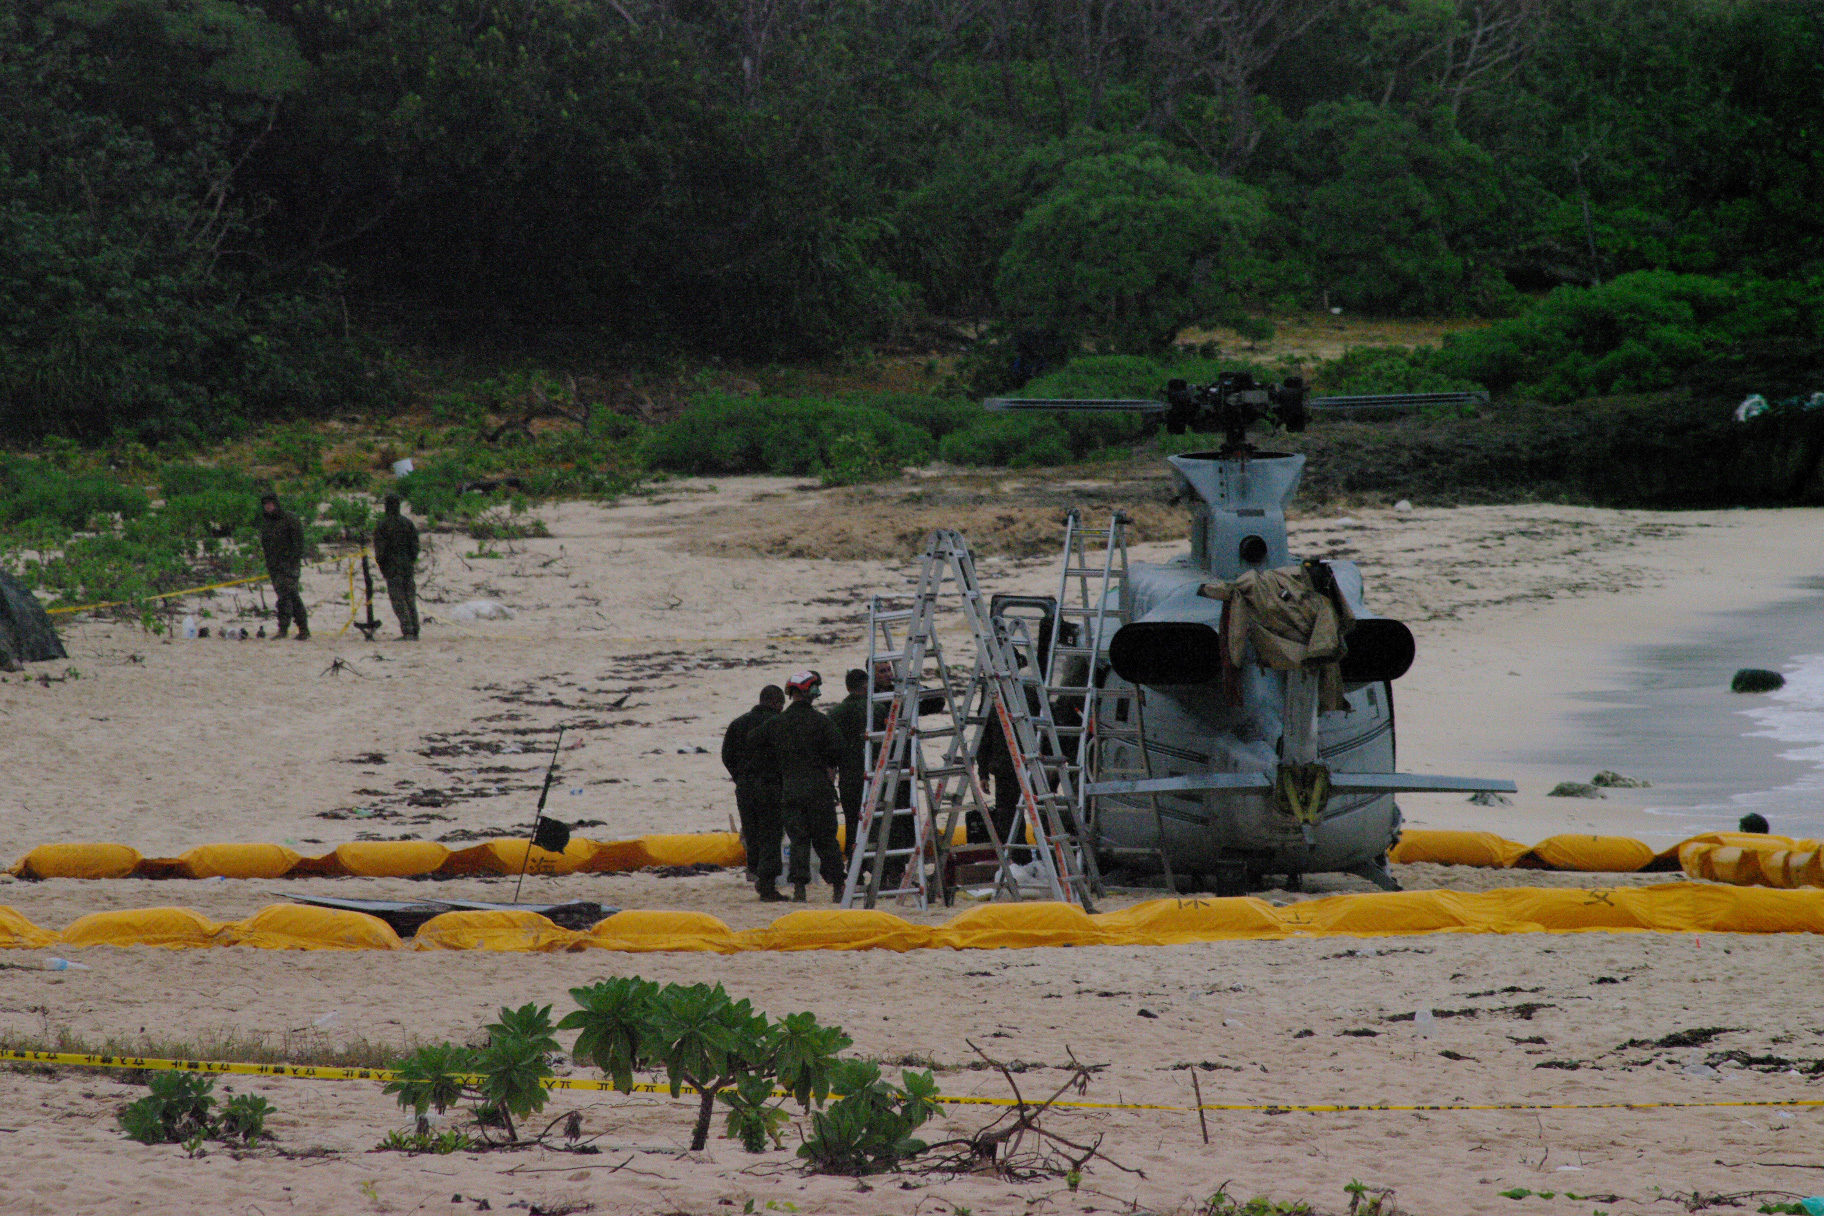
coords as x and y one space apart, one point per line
1128 249
1392 213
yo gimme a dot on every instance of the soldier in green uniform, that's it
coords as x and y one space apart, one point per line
993 758
282 544
756 789
396 553
805 749
851 718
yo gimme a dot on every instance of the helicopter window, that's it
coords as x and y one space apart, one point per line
1121 710
1253 550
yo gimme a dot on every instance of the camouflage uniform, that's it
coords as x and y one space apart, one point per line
993 758
802 746
396 553
851 718
282 544
756 789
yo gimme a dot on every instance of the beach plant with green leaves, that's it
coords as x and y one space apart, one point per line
180 1108
719 1047
504 1079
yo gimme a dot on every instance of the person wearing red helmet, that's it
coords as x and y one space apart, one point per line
806 750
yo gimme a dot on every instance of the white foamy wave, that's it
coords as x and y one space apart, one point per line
1792 714
1796 715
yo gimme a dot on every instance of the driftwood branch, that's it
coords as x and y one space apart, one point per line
997 1148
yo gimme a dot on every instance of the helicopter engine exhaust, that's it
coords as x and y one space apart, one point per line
1166 653
1380 648
1158 653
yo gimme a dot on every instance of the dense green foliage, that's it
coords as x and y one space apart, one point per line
129 297
1126 250
208 204
1644 331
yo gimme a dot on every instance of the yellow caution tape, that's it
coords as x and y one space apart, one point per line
316 1072
233 582
353 609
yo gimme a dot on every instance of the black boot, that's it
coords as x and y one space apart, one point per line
769 894
800 893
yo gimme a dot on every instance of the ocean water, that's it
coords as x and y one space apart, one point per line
1713 755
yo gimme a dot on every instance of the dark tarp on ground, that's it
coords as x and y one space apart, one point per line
26 635
407 916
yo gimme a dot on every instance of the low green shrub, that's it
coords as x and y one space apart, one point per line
1388 369
934 415
244 1119
177 1110
1640 332
869 1129
854 459
1100 376
40 490
433 1077
297 448
440 1144
504 1079
355 516
603 463
1009 440
704 1039
789 436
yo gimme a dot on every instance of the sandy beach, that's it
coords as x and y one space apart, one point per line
644 627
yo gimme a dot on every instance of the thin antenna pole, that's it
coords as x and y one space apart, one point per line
539 815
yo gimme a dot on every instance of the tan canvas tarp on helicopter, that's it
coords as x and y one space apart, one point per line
1291 622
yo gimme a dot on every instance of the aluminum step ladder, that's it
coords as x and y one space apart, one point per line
921 702
925 704
1019 700
1109 735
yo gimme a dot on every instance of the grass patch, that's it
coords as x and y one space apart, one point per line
309 1048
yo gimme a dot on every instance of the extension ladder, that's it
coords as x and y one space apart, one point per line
1110 733
906 642
902 786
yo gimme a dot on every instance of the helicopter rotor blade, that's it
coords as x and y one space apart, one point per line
1102 406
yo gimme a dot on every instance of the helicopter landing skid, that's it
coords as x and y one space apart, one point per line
1376 872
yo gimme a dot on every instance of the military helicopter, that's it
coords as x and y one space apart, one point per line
1240 773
